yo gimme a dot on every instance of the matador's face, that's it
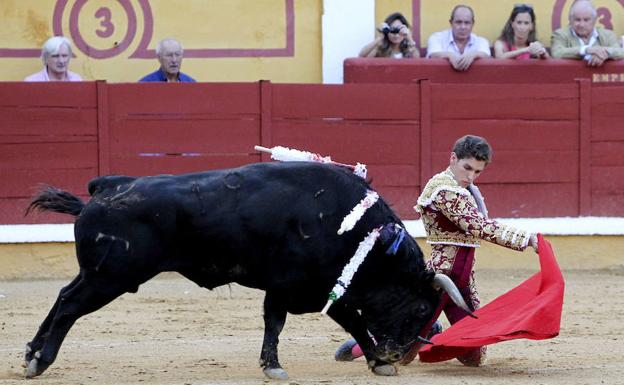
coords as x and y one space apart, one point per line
466 170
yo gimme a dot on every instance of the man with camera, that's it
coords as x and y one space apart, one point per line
459 45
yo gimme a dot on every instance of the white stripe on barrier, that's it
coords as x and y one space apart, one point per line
546 226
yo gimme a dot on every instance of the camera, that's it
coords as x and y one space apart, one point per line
386 29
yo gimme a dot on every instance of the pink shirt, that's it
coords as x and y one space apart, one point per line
42 76
524 56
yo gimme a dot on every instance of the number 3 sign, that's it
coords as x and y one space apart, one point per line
107 23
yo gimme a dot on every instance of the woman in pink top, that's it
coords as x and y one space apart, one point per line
518 38
55 55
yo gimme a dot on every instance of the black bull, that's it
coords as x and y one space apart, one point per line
270 226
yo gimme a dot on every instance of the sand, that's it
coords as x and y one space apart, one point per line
173 332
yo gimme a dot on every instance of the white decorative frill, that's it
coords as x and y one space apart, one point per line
360 170
285 154
358 211
349 270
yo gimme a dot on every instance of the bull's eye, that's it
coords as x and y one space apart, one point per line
422 308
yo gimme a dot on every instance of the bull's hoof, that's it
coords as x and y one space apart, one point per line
385 370
35 367
28 355
275 373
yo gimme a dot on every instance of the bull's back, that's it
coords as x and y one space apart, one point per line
277 222
256 225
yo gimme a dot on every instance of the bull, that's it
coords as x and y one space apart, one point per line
269 226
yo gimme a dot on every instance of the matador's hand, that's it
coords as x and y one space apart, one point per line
533 241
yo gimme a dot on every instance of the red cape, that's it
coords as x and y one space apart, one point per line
531 310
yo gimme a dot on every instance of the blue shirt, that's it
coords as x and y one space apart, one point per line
159 76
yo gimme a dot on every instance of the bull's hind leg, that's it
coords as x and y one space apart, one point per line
39 338
77 299
274 320
352 322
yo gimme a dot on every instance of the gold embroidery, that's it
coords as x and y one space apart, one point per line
463 224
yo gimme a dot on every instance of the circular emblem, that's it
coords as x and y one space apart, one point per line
104 31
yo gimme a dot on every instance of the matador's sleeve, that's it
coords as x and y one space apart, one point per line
463 212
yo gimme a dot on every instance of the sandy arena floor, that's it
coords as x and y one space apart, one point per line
173 332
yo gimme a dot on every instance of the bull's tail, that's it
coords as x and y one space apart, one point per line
54 199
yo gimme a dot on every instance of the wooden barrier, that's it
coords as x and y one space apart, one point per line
577 131
558 147
181 128
498 71
48 134
606 134
378 125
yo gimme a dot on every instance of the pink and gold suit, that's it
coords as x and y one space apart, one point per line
455 220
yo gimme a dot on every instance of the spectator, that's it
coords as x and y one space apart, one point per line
395 40
55 54
582 40
459 45
169 53
518 38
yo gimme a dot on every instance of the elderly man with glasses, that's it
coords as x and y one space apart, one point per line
583 40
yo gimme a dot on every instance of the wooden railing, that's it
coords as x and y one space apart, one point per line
558 147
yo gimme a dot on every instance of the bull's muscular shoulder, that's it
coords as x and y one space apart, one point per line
97 185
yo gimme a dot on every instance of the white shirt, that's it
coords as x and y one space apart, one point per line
443 42
583 49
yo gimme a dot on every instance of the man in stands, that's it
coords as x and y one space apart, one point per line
459 45
582 40
55 54
169 53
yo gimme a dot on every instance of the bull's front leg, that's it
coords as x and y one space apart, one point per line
349 318
274 319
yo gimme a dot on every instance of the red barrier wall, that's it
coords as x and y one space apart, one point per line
48 134
376 70
558 147
154 129
378 125
577 131
607 150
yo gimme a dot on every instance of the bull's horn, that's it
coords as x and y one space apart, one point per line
424 341
441 281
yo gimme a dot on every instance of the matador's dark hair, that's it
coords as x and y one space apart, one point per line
472 146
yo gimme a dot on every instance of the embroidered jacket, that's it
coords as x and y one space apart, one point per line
453 215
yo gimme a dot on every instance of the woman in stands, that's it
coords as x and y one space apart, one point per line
518 39
395 40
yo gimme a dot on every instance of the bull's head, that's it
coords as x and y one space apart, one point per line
396 314
398 298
